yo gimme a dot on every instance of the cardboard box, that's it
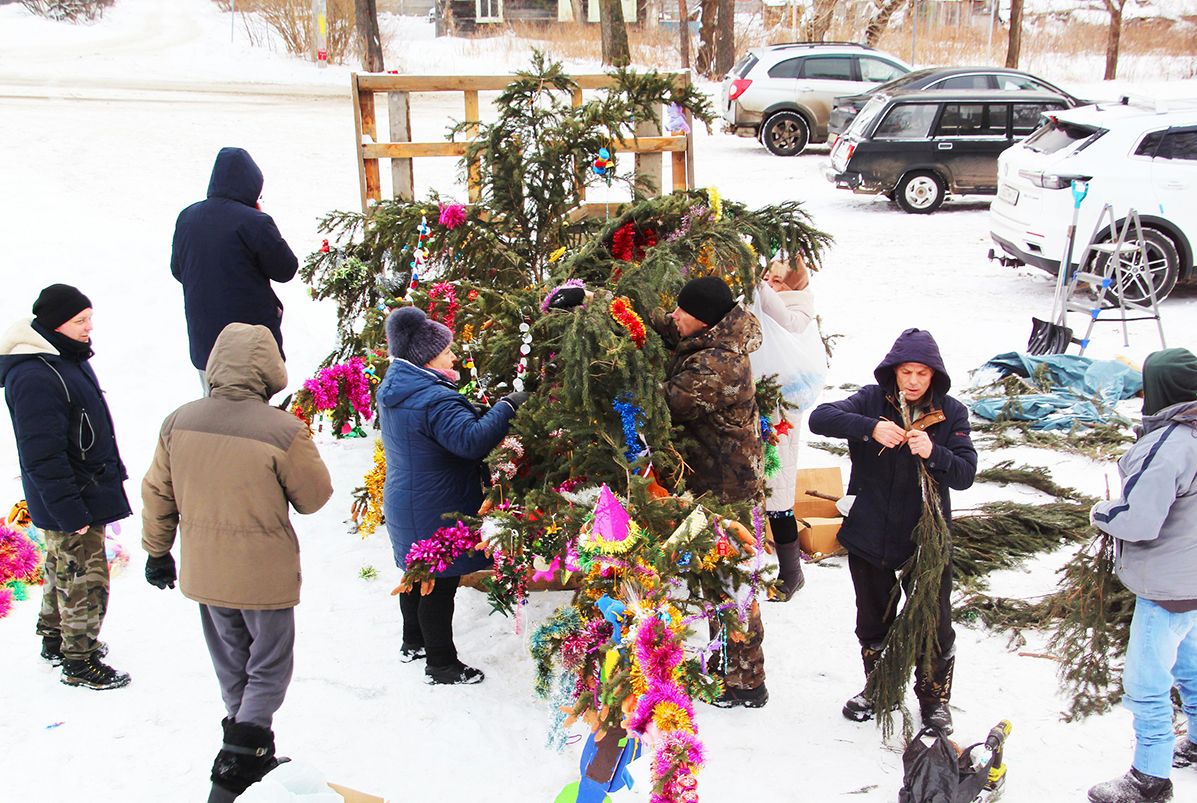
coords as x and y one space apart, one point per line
819 538
354 796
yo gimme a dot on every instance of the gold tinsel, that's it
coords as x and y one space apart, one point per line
367 508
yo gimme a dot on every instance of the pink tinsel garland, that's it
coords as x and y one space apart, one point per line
444 546
325 387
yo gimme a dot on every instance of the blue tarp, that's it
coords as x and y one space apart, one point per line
1083 391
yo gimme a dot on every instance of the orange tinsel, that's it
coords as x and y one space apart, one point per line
621 311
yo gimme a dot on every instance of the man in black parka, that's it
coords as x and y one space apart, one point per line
226 252
887 501
71 472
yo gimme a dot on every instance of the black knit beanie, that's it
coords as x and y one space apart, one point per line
57 304
413 337
1169 377
708 299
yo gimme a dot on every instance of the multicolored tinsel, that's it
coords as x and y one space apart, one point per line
420 255
666 707
348 378
435 554
367 500
449 293
622 312
772 458
20 566
631 416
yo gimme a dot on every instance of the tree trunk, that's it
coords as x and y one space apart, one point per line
880 21
705 60
725 38
1115 8
367 31
684 32
578 7
615 34
1014 43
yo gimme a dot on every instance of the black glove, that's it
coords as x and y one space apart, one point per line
160 572
516 399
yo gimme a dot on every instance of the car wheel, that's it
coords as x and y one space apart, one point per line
920 193
1163 264
785 134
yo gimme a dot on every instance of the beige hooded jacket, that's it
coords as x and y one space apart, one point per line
226 470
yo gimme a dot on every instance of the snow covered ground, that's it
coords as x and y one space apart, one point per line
111 129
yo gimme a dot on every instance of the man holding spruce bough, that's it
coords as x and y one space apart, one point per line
905 418
1154 524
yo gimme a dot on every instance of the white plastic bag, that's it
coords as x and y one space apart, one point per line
798 361
291 782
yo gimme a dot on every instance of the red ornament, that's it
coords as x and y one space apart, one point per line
723 548
324 247
783 427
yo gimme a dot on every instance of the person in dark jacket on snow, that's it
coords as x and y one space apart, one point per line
887 501
435 442
1154 523
226 252
72 474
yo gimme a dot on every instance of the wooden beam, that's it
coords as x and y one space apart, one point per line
403 180
408 150
474 170
376 82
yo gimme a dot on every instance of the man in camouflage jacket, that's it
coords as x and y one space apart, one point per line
711 394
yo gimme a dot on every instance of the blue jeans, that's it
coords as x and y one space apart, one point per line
1162 652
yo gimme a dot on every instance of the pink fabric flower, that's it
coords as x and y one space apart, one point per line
452 215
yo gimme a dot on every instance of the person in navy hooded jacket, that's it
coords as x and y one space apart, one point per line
887 501
435 442
226 252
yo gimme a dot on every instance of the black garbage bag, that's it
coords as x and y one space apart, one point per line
936 773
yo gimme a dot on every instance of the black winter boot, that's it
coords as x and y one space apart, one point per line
1134 787
742 698
455 674
934 692
860 707
93 673
789 571
245 757
411 652
1185 753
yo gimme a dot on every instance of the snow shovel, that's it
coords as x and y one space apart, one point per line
1053 337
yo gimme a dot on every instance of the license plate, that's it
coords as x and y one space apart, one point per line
1008 194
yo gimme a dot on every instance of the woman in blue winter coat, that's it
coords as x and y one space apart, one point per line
435 442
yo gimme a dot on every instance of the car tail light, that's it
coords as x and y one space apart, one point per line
1050 181
848 153
738 87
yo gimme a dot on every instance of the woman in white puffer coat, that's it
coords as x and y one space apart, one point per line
786 297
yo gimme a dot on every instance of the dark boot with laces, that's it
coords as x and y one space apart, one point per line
742 698
1185 753
456 674
411 652
1134 787
933 692
860 707
92 673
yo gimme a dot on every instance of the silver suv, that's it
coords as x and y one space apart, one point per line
783 94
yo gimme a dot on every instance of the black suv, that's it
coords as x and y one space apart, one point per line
917 146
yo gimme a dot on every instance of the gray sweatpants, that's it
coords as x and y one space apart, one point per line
253 653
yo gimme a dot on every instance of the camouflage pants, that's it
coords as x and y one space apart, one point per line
745 660
75 596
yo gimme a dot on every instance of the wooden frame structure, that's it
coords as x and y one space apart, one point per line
648 145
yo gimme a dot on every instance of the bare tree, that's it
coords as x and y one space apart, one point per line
1014 43
819 21
367 31
615 34
704 61
578 8
1115 8
880 21
725 38
684 29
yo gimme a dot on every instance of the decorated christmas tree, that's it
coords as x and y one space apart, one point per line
590 486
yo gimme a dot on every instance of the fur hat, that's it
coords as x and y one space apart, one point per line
57 304
413 337
707 298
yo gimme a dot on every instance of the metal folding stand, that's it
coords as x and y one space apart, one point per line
1115 261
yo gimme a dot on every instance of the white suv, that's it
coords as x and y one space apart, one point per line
783 94
1140 156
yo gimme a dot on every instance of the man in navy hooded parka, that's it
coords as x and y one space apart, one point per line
888 502
226 252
